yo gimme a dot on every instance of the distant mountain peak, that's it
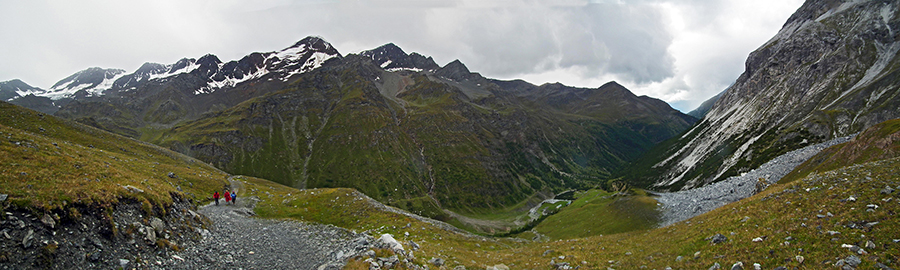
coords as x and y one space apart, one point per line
92 81
392 58
455 70
313 42
15 88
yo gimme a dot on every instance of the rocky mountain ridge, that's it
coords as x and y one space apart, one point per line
831 71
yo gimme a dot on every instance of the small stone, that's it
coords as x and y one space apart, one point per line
547 252
26 241
391 243
178 257
172 175
799 259
715 266
853 260
437 262
872 206
157 224
887 190
758 239
832 232
737 266
149 234
459 267
133 189
679 258
870 245
882 266
717 238
3 197
851 199
48 220
757 266
697 255
94 257
745 219
501 267
123 263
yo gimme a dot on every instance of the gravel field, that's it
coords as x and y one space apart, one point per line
682 205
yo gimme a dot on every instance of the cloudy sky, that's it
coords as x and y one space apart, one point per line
681 51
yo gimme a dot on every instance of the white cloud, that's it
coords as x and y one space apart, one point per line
682 51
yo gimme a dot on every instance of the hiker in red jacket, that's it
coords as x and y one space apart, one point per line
216 197
227 197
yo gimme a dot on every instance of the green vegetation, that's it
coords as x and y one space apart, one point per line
437 150
879 142
598 212
50 164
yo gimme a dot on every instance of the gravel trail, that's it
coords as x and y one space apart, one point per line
682 205
236 240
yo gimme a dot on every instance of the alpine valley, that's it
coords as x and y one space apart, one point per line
385 159
393 125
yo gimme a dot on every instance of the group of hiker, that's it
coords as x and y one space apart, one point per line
230 197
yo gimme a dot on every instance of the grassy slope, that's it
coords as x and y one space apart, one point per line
47 164
881 141
784 210
598 212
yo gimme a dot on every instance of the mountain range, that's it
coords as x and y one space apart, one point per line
442 140
392 124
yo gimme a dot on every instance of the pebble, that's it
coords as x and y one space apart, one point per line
437 262
737 266
717 238
26 241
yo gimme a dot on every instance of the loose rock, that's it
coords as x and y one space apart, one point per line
48 220
436 261
717 238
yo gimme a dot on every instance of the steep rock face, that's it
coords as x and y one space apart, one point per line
831 71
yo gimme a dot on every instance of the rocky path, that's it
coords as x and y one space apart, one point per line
682 205
236 240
